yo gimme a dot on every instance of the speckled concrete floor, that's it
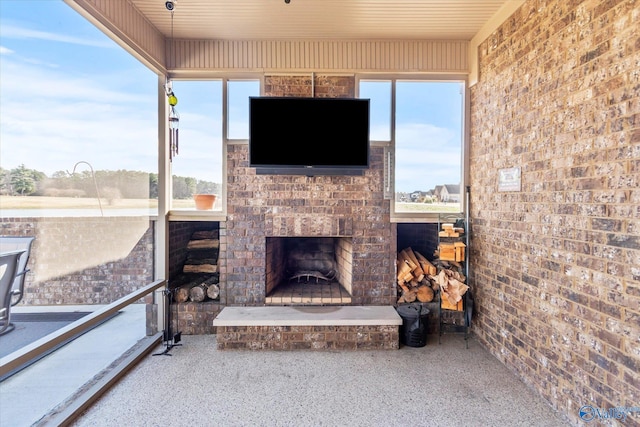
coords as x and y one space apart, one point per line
436 385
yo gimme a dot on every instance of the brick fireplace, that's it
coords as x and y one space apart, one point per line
347 216
309 270
264 207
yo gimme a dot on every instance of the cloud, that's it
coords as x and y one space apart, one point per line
30 81
426 156
200 147
5 51
50 120
10 31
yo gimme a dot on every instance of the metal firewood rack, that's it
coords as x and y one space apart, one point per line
460 220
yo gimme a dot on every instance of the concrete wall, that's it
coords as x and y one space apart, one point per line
556 265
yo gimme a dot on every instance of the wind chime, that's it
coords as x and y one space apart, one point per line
174 117
174 121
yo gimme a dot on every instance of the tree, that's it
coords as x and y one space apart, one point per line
125 184
5 181
183 187
207 187
153 185
25 181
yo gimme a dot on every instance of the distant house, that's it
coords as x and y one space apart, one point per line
437 191
418 196
414 196
449 193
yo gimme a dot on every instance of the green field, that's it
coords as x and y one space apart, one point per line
42 202
427 207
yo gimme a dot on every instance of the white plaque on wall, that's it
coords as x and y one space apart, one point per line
509 179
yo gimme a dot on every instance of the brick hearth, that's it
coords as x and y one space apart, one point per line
311 328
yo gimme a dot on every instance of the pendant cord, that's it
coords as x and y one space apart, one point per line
173 50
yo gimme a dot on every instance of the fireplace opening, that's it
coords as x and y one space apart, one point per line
308 270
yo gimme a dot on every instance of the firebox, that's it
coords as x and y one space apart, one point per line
308 270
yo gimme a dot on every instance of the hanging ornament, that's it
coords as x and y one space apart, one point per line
174 121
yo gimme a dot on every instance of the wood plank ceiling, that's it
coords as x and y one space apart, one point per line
320 19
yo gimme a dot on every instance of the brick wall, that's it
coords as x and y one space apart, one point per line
192 318
419 237
84 260
180 233
556 266
279 205
355 337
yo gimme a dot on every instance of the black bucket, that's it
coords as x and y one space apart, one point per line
413 331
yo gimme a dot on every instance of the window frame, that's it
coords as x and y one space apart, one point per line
217 215
390 146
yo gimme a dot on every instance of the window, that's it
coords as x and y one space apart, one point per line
424 124
238 93
78 137
197 169
379 94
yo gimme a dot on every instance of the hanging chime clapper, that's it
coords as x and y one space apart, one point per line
174 120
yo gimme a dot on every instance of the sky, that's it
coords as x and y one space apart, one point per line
68 93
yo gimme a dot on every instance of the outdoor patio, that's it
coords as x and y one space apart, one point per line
49 385
440 384
436 385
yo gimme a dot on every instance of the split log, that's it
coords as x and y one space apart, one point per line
435 286
403 287
425 294
426 265
205 234
203 244
460 250
181 294
213 291
404 256
201 268
417 269
408 295
447 251
205 258
404 270
198 293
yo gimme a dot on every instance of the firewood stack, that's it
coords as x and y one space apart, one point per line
200 277
420 279
451 251
414 271
202 252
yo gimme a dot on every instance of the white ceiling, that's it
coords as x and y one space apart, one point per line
321 19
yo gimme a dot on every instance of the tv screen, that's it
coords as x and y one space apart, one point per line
310 136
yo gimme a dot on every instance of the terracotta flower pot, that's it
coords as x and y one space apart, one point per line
204 202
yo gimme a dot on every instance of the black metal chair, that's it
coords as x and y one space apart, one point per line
9 264
17 243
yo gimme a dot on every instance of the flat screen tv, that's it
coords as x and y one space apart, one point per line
309 136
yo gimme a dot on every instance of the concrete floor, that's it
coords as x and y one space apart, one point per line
436 385
28 396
